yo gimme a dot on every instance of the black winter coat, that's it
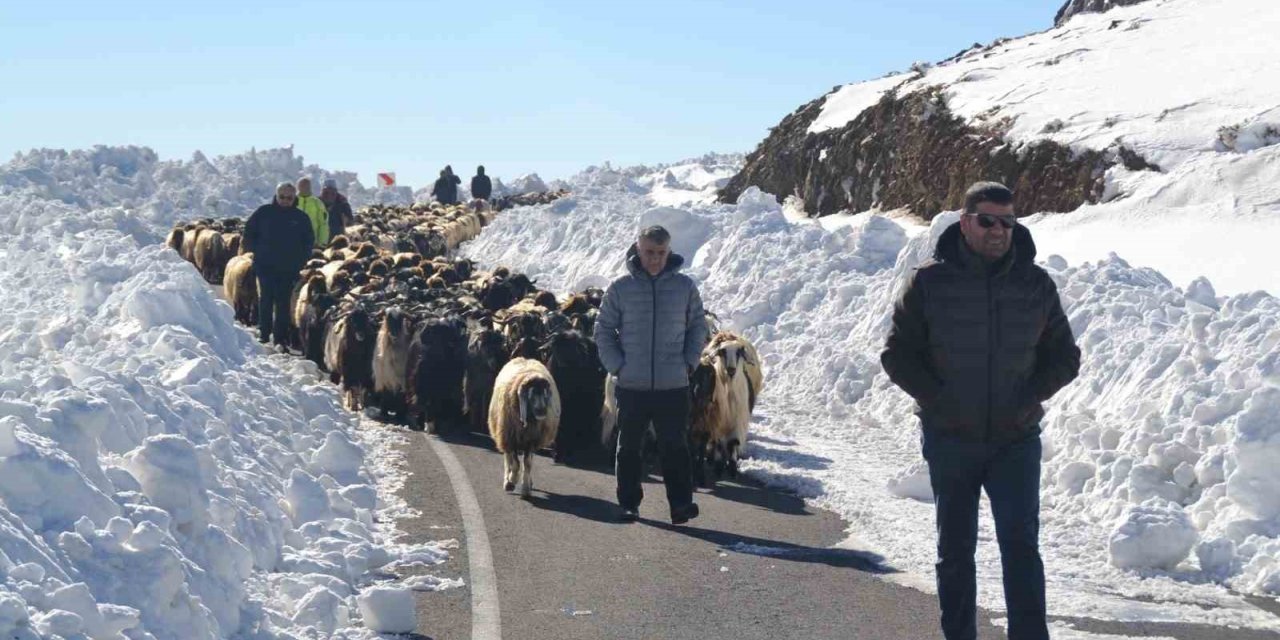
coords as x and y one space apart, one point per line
481 187
446 189
339 215
980 346
280 239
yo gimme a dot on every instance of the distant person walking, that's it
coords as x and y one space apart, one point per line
481 185
446 187
979 340
650 334
315 210
279 236
340 214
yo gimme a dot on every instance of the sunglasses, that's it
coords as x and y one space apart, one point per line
987 220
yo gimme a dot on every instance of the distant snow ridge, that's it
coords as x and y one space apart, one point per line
159 476
158 193
1159 470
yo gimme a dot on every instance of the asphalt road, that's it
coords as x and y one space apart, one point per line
757 563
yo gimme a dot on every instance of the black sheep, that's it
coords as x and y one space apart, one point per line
437 362
348 353
702 387
314 326
580 380
486 354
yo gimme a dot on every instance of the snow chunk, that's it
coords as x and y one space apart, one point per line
388 609
912 482
1154 534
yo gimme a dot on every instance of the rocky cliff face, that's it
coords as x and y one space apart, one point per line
1073 7
911 151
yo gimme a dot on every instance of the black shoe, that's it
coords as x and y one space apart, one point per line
681 515
628 515
264 339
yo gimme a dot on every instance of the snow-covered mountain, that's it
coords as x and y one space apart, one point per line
1142 122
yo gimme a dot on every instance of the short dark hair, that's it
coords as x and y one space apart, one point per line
981 192
656 234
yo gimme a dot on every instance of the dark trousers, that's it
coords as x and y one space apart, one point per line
274 294
669 413
959 470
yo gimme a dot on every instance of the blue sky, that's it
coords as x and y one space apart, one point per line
410 86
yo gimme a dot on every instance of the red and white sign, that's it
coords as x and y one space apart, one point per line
387 179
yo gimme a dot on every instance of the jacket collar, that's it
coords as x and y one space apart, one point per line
674 262
953 249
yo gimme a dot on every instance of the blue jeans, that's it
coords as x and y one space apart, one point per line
959 470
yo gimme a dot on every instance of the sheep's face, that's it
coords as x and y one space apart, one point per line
535 400
394 322
732 357
566 349
492 347
702 384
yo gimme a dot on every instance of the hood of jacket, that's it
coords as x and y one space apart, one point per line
674 263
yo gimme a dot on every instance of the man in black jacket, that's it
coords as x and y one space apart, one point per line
446 188
481 185
979 340
339 208
280 237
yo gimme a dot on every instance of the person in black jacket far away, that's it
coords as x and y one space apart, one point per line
481 185
979 340
446 187
279 236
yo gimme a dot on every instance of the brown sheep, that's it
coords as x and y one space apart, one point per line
524 416
240 286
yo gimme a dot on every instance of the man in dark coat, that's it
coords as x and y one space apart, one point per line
280 237
979 340
339 208
446 187
481 185
650 334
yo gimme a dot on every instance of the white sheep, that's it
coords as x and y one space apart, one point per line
524 416
739 381
391 362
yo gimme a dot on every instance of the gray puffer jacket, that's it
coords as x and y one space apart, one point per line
651 330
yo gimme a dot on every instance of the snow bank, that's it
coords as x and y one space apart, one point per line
160 476
1176 403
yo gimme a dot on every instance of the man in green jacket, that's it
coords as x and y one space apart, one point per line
315 210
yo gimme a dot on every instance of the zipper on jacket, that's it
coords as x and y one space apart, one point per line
993 336
653 339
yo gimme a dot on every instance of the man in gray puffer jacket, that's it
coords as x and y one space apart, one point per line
650 334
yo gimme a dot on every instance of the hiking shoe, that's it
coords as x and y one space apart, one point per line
681 515
628 515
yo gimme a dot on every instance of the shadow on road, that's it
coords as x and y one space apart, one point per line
585 507
760 496
864 561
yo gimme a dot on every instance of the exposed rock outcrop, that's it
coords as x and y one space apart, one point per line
912 151
1074 7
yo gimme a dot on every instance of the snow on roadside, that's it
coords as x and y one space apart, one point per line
1171 422
160 475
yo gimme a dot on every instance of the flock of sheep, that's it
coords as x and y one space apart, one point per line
433 342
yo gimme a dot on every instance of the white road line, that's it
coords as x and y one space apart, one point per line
486 617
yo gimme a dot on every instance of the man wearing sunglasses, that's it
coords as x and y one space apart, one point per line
979 340
280 237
